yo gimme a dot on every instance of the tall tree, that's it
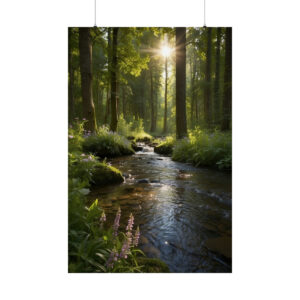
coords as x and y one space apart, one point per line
71 77
207 90
114 66
181 128
193 67
107 111
85 50
227 92
166 96
153 123
217 78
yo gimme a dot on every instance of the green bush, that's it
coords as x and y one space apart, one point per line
205 149
107 144
165 147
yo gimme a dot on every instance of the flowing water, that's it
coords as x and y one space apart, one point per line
184 213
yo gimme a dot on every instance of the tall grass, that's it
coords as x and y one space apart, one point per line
205 149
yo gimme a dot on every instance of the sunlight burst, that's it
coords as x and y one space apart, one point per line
166 51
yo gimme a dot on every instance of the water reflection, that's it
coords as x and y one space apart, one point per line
184 213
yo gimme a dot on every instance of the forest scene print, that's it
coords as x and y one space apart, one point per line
149 149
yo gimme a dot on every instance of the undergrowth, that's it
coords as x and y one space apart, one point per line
205 149
95 246
133 129
106 143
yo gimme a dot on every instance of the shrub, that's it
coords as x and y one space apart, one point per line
107 144
205 149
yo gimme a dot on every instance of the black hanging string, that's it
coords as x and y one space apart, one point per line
95 13
204 13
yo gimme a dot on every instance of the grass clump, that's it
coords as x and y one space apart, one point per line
166 147
205 149
152 265
106 143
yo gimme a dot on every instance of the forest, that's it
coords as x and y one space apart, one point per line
149 156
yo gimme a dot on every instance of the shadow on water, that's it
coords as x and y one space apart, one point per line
184 213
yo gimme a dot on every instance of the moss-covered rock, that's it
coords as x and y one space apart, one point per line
152 265
135 147
105 174
145 139
164 148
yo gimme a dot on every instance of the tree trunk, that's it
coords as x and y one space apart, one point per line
124 101
107 111
114 65
191 92
181 128
207 101
71 79
227 93
217 79
85 50
166 96
152 127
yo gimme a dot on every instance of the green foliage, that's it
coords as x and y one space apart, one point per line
205 149
107 144
81 166
75 135
166 147
133 129
91 244
130 60
152 265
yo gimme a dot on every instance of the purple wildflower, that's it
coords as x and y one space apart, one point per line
103 217
112 258
129 237
130 222
136 237
71 136
117 222
125 248
84 119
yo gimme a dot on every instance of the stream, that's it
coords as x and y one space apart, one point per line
184 212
